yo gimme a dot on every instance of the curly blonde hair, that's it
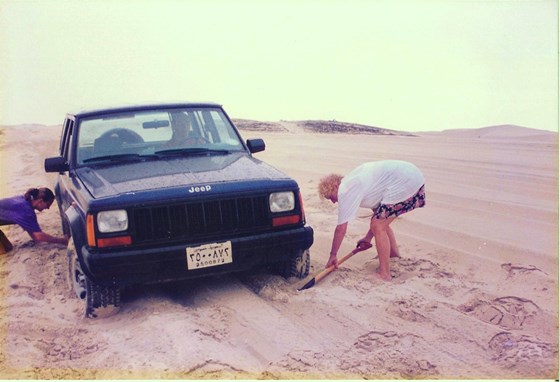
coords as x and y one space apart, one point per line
328 185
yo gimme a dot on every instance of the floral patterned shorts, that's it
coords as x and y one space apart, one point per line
385 211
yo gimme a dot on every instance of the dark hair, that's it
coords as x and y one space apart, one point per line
43 193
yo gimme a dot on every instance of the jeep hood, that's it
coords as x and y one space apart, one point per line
106 181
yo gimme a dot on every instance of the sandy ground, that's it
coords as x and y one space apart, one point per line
475 294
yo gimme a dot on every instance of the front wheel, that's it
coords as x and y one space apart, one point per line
297 265
98 300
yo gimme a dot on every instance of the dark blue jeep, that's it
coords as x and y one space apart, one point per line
166 192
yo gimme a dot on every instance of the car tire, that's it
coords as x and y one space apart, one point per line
98 300
297 265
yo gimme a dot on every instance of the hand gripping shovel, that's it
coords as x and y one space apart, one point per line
328 270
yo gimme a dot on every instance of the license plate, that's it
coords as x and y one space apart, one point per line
209 255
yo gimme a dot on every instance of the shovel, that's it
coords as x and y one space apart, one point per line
328 270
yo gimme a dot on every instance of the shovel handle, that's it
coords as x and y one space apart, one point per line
328 270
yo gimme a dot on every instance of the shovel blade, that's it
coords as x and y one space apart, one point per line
309 284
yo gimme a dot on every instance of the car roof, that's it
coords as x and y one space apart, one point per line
139 107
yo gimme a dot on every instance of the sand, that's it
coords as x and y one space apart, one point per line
475 294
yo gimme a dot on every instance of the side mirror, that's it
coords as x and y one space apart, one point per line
255 145
56 164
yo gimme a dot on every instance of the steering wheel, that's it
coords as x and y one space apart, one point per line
124 135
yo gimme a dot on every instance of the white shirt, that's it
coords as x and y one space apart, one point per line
372 183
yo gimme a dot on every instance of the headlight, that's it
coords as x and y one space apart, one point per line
282 201
112 221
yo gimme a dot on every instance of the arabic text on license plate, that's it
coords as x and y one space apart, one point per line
209 255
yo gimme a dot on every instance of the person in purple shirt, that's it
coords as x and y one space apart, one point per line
20 210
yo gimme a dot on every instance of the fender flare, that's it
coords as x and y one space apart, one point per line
76 222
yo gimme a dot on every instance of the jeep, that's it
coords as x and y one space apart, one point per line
166 192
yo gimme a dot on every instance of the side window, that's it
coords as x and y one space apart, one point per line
65 139
69 149
61 146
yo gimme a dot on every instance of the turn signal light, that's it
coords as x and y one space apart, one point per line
301 205
285 220
90 229
114 241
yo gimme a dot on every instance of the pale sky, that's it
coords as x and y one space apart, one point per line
416 65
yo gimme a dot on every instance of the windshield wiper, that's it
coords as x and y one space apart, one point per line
191 151
119 157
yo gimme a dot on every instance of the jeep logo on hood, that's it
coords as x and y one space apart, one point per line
200 189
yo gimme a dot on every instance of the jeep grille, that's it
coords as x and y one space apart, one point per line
192 221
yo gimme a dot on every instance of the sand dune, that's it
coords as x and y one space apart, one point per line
504 132
475 294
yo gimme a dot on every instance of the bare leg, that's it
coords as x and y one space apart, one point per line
380 228
394 246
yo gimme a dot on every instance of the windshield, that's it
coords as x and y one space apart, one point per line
161 132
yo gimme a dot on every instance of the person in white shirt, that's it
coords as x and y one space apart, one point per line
390 188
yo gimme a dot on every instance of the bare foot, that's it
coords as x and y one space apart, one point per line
397 255
383 276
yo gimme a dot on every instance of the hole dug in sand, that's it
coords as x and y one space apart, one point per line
507 312
513 351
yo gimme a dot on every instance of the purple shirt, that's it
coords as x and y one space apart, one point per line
17 210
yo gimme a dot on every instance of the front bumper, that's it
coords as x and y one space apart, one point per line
129 266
